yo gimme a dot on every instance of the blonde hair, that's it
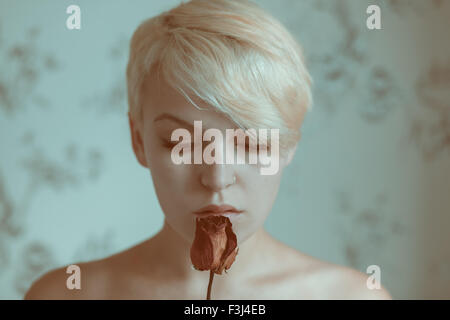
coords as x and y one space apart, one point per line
232 55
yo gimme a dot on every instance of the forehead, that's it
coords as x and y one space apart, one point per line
158 97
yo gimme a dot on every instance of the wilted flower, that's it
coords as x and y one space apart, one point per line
215 244
214 247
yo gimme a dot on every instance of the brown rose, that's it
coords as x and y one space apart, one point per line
215 245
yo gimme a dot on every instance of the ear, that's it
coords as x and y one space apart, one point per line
137 143
290 155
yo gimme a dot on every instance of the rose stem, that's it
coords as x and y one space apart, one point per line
211 277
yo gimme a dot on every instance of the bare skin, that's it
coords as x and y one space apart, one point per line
150 271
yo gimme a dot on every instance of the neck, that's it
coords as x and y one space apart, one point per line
173 252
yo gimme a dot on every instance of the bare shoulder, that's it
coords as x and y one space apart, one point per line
97 278
57 284
331 281
351 284
317 279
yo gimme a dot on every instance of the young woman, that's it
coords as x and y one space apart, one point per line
230 65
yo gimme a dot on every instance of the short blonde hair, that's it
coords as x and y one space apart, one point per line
232 55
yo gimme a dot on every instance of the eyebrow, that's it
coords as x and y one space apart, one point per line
168 116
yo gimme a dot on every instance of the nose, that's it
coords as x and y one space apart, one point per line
217 176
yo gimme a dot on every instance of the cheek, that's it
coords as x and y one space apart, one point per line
262 193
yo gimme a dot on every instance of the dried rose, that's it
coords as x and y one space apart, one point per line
215 245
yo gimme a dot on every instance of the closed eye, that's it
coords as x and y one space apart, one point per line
259 147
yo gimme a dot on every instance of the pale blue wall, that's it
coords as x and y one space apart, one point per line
370 182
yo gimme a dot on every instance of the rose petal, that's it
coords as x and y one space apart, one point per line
202 249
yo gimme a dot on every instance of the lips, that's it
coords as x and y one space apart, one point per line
224 209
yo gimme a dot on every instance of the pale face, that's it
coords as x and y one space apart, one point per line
184 188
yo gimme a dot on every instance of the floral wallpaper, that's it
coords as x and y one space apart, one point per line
369 183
